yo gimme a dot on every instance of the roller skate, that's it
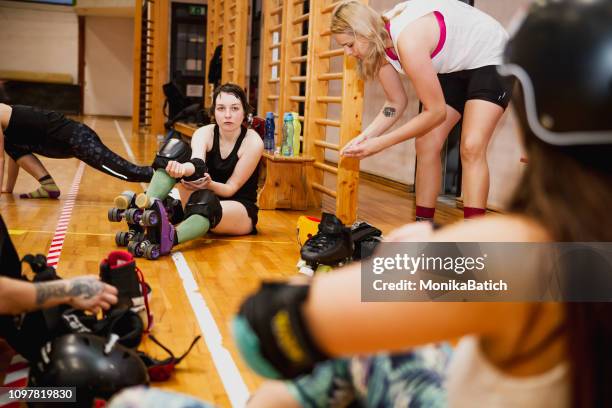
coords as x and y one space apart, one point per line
332 246
119 270
158 235
126 209
365 239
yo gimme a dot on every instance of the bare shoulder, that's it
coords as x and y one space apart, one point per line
5 114
494 228
205 130
253 139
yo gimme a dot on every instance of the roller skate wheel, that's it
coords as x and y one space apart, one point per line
323 269
133 248
143 201
114 215
132 216
122 238
151 251
122 202
150 218
306 270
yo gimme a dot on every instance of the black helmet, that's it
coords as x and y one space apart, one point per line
562 55
96 367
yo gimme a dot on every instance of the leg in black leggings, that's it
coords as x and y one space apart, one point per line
87 146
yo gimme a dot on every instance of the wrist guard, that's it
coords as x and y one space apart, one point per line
200 170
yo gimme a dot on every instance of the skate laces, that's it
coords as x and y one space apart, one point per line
144 289
321 241
161 370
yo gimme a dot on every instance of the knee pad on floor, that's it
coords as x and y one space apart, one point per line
172 150
206 204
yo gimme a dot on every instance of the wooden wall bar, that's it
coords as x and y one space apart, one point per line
151 23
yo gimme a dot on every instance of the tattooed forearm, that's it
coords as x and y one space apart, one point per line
85 288
49 290
388 111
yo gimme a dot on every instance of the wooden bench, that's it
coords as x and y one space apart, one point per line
284 178
285 182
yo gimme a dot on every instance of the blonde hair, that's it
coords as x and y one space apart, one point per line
354 18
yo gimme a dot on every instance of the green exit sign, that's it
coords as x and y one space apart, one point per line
197 10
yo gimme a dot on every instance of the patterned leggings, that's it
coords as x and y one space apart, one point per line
87 147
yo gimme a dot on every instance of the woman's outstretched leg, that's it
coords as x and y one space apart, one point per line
87 147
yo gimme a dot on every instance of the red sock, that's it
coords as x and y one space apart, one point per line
425 213
473 212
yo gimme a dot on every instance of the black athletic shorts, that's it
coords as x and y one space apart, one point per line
481 83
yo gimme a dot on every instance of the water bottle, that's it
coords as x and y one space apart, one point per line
297 131
269 143
287 147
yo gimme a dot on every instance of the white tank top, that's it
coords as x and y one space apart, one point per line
474 382
473 39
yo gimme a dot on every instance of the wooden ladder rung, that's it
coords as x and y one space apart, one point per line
277 45
231 70
325 33
301 18
326 145
275 28
297 98
276 11
302 58
232 18
274 80
298 78
324 189
331 53
273 63
273 97
327 122
329 99
330 76
300 39
326 167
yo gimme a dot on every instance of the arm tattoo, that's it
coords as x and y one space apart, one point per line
85 288
388 111
49 290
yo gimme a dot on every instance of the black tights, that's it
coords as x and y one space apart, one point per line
87 147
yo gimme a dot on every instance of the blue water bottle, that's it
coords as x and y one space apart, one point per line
287 146
269 144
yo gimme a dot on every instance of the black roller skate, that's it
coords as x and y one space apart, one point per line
365 239
119 269
158 235
331 246
126 208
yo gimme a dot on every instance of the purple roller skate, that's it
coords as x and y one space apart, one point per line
159 233
125 208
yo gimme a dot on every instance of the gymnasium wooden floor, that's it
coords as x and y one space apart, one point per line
224 268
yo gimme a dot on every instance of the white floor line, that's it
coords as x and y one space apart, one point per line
236 389
128 149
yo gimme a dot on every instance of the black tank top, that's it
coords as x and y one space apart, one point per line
221 169
32 126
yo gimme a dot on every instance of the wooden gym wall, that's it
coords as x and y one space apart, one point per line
296 75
